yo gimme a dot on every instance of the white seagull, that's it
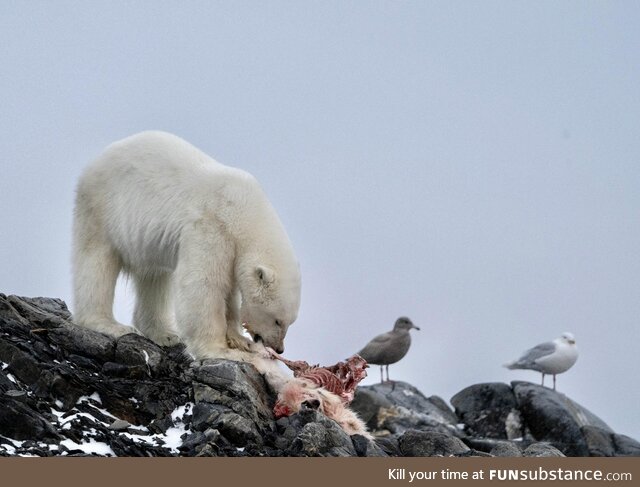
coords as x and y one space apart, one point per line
553 357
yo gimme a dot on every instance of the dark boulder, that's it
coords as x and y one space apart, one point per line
316 435
488 410
542 450
20 421
429 444
554 418
396 407
604 443
625 446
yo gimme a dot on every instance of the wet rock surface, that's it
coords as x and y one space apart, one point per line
69 391
397 407
520 419
485 410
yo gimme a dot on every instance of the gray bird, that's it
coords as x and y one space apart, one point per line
389 347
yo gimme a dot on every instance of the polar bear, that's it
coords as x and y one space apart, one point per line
204 247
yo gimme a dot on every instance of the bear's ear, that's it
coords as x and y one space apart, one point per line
265 275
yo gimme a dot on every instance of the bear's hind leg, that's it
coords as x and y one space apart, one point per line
96 269
153 315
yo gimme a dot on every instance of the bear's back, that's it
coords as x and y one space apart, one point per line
161 164
143 189
156 151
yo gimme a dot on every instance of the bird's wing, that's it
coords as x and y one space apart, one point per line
530 356
372 349
381 339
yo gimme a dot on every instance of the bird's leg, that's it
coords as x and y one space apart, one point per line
381 376
554 382
542 379
387 367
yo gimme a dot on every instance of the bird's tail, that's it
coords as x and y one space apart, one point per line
512 365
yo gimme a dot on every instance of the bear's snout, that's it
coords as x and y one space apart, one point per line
277 348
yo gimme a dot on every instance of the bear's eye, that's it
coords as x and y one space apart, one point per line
278 323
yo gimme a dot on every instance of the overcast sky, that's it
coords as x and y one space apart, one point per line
472 165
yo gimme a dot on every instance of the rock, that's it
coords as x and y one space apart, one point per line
599 441
160 426
367 402
542 450
506 449
554 418
21 422
444 408
18 395
317 435
239 430
485 410
430 443
63 388
604 443
236 385
34 312
494 447
310 441
389 445
398 407
525 410
20 364
83 341
365 447
625 446
136 350
119 425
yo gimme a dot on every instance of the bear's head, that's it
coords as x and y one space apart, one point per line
270 302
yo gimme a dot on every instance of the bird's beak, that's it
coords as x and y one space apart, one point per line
572 342
416 327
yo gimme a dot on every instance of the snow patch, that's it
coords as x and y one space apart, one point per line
11 449
93 397
179 412
173 437
91 446
96 397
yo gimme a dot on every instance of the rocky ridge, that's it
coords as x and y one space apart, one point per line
65 390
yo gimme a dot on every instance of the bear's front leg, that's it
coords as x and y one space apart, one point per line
203 328
236 340
203 280
235 337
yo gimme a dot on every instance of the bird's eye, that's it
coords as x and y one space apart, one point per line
278 323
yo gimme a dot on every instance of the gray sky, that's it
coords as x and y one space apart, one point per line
473 165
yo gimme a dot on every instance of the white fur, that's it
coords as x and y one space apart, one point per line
297 391
205 248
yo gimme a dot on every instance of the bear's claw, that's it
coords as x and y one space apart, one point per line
239 342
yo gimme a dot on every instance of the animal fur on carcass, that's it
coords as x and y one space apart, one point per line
330 389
